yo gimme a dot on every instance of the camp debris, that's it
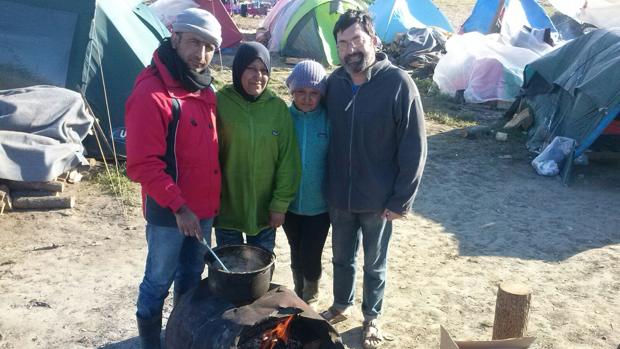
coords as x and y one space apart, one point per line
419 49
36 195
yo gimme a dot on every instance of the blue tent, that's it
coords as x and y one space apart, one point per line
486 16
396 16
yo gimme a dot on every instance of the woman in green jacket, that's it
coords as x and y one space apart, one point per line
259 155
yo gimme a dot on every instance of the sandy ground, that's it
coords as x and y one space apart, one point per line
68 278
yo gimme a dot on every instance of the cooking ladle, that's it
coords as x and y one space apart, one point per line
204 242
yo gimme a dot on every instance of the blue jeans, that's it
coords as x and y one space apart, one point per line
171 256
348 229
266 238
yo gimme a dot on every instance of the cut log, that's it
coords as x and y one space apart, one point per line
523 119
44 202
511 310
50 186
474 132
5 198
35 193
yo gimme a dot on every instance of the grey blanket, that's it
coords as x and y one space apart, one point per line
41 132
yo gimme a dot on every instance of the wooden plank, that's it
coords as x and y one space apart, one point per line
44 202
50 186
474 132
5 198
522 119
31 193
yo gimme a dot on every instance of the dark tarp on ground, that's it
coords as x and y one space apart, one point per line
574 91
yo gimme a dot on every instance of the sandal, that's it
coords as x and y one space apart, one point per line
371 335
334 316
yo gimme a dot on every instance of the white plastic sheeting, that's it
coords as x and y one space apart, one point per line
483 66
601 13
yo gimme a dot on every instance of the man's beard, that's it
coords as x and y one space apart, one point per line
357 62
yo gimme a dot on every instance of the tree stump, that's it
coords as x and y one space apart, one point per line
511 310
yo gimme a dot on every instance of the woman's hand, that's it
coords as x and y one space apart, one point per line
276 219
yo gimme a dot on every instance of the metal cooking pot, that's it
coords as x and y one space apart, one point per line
250 269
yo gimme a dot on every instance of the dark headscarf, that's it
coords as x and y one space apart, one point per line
191 80
246 54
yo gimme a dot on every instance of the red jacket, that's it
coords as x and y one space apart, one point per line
190 174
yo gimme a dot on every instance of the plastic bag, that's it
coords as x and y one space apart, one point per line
483 66
550 160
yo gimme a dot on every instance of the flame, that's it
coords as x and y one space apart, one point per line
270 338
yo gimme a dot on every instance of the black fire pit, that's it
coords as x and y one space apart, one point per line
278 319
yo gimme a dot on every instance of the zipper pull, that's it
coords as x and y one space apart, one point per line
349 105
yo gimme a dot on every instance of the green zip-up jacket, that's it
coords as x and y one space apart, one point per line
259 158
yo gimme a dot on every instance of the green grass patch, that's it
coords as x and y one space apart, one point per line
453 120
116 182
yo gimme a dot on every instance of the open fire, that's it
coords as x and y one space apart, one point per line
280 332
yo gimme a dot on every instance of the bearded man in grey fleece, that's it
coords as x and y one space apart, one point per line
376 156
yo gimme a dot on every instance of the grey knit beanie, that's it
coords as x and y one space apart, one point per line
201 22
307 74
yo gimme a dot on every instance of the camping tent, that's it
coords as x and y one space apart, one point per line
397 16
573 91
167 10
230 32
303 28
506 16
93 47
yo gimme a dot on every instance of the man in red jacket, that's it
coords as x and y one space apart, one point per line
172 151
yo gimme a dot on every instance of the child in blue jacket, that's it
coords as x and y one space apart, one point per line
307 220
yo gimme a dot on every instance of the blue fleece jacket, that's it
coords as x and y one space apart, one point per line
313 139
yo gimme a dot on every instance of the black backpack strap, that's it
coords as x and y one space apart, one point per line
170 157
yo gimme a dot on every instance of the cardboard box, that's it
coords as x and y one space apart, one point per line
446 342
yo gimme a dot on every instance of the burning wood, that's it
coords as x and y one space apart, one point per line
279 332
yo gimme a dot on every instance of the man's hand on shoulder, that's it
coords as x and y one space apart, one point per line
188 222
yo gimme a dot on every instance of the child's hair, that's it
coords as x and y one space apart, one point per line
307 74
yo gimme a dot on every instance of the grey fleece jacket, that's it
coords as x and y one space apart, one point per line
377 147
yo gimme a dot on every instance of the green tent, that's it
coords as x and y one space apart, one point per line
303 28
93 47
573 90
